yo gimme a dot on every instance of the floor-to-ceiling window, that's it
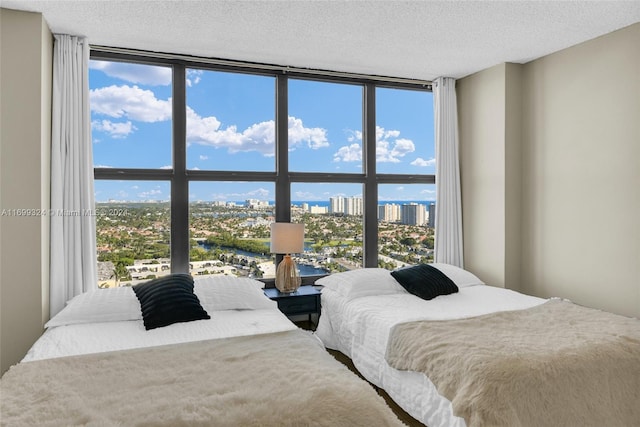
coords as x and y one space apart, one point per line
193 160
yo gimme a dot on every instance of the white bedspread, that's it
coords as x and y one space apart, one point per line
360 329
89 338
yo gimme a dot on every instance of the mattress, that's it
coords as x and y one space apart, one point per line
87 338
360 329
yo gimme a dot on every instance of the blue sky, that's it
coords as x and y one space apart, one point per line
230 126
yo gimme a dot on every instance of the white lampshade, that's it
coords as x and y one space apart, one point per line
287 238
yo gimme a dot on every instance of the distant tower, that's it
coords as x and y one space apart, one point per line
413 214
336 204
353 206
389 212
432 215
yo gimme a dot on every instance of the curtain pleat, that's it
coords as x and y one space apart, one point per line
448 221
73 227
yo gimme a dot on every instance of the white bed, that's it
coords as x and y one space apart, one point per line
360 308
103 332
110 319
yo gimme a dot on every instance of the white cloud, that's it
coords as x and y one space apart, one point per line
208 131
355 135
389 148
115 129
130 102
149 194
304 195
135 73
423 163
166 167
142 105
260 193
392 151
193 77
348 153
258 137
103 166
314 137
382 134
204 157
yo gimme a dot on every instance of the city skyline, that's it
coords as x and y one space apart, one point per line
269 202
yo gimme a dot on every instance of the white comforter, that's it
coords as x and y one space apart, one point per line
85 338
360 329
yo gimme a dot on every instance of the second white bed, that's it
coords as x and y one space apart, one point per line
359 327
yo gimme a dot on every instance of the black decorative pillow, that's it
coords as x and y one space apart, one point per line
424 281
169 299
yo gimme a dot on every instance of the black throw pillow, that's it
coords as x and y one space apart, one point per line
169 299
424 281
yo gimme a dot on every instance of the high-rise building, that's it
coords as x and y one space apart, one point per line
389 212
353 206
256 204
432 215
318 209
336 204
413 214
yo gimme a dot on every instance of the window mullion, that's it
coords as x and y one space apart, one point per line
370 190
283 185
179 183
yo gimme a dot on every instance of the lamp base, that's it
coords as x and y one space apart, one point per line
287 278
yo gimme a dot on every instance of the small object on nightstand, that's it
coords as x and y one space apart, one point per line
304 301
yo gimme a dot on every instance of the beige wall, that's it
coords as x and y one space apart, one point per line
25 133
557 143
489 105
581 173
481 115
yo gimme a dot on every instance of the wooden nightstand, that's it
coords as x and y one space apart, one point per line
304 301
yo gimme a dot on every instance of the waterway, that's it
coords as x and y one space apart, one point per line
304 269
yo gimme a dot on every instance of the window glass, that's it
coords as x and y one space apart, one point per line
229 225
325 127
130 114
406 223
333 219
230 128
132 231
404 131
230 121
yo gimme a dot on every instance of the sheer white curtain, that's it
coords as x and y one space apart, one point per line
448 238
73 229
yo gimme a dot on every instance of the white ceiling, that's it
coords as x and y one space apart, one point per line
410 39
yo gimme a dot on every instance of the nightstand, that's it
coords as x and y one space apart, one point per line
304 301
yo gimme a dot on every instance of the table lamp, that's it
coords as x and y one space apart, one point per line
287 238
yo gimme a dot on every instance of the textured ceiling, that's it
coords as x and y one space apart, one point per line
411 39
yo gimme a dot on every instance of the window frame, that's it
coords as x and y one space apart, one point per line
179 176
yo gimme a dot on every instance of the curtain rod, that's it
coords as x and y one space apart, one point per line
261 67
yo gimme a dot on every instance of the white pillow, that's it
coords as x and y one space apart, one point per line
362 282
231 293
462 278
99 305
